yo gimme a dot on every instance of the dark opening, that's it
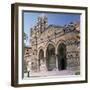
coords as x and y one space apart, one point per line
62 57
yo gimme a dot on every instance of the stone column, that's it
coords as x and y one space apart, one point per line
38 67
45 59
56 57
56 62
45 64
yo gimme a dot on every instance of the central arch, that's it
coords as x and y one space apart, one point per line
62 56
50 56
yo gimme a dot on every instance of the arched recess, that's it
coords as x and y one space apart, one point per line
62 62
58 43
47 44
50 57
41 57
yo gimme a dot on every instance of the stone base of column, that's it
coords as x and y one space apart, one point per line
57 69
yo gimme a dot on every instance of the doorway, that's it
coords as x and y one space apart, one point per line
62 57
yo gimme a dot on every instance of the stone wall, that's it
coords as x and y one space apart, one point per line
55 35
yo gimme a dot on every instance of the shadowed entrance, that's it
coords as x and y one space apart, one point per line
62 57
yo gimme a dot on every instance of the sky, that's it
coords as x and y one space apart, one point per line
61 19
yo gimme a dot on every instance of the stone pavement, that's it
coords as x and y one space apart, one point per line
50 73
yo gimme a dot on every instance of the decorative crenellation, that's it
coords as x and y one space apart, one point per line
70 27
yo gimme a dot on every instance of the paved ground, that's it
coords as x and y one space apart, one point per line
50 73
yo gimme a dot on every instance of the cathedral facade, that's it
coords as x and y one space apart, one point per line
54 47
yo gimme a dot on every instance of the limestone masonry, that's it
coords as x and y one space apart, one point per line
53 47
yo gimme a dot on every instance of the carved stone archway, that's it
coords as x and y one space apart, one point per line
50 57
